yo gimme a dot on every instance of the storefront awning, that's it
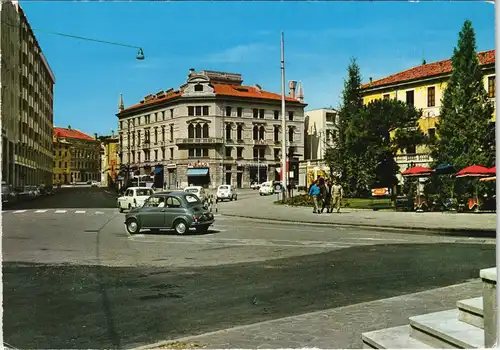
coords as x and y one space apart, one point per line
197 172
158 170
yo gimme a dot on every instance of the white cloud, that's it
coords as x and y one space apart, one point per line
240 53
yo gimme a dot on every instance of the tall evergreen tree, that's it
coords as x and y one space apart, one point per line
340 158
464 135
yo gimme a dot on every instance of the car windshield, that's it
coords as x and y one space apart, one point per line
223 187
192 200
143 192
191 190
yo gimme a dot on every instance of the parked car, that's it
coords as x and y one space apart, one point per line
226 192
179 211
254 185
200 192
94 184
266 188
8 194
134 197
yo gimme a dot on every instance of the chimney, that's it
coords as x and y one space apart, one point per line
292 84
121 106
95 135
371 80
191 71
69 127
258 87
112 133
300 92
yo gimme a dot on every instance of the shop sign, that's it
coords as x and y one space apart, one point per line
377 192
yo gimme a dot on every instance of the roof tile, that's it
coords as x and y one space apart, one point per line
71 134
427 70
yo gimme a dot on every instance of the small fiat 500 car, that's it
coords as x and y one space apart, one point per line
179 211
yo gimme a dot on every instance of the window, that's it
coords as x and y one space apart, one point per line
205 152
205 131
491 87
191 152
173 202
229 151
239 152
228 111
432 133
276 133
276 115
431 96
276 153
410 98
190 110
262 153
290 134
65 164
197 131
228 131
171 153
290 115
205 110
239 132
191 131
60 164
262 133
171 133
198 87
411 149
255 132
163 153
255 113
261 113
239 112
156 135
386 97
197 110
255 153
172 113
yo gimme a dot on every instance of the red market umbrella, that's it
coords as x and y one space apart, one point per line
417 171
493 170
474 171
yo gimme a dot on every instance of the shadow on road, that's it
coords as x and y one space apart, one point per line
72 197
47 306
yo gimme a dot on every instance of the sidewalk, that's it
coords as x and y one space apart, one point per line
446 223
338 328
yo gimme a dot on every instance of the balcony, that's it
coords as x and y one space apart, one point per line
413 157
260 142
199 141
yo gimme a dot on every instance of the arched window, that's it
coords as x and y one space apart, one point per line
228 131
191 131
198 131
255 132
276 133
262 133
205 130
240 132
198 87
290 134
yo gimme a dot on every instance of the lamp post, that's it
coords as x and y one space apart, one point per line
283 120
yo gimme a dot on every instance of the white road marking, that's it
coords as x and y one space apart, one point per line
19 211
99 212
60 211
80 212
378 239
41 211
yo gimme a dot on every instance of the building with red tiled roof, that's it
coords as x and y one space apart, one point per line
213 130
423 86
76 156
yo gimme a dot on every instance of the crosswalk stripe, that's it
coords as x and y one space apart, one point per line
99 212
41 211
60 211
80 212
19 211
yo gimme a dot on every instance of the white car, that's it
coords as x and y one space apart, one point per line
199 191
266 188
255 186
94 184
226 192
134 197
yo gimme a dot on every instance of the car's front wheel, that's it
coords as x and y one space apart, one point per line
180 227
133 226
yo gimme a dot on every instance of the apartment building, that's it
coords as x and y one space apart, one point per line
213 130
76 156
110 164
26 102
423 87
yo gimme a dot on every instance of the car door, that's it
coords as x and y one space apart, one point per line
152 213
174 209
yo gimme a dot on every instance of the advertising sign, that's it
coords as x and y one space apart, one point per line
378 192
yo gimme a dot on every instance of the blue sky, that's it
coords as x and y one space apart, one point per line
242 37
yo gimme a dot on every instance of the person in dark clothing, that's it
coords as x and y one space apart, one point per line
327 198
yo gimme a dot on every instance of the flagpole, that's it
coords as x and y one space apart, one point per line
284 169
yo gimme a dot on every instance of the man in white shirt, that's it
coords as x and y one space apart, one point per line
337 194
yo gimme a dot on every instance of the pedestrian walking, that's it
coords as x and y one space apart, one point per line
314 192
327 199
337 194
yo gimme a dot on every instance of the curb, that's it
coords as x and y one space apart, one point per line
438 231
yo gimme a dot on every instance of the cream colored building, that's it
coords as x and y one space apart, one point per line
211 131
321 132
26 102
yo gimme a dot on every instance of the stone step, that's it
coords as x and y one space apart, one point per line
392 338
471 311
443 330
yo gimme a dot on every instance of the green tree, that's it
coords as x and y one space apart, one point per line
339 158
464 134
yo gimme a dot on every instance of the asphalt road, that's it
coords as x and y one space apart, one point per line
74 279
